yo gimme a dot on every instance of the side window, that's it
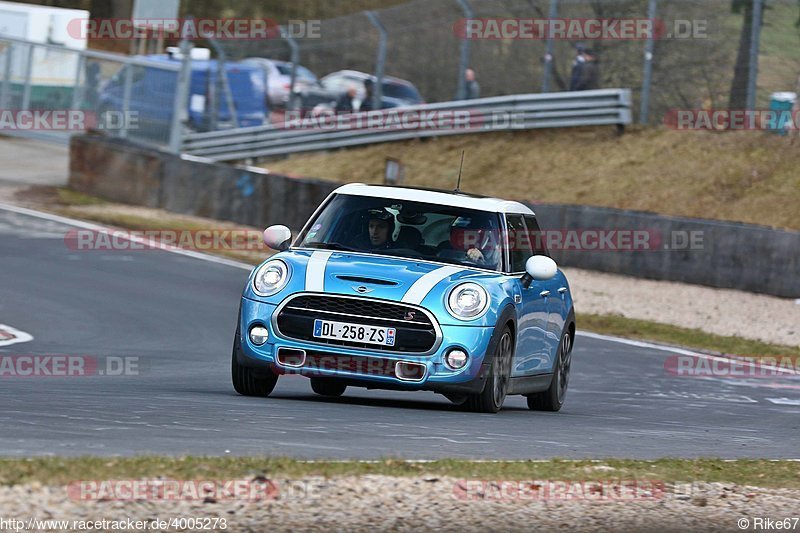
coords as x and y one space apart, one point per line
536 236
519 245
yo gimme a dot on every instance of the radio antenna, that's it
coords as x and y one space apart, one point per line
460 168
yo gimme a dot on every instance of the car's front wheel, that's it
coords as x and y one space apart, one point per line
328 387
246 381
553 398
491 399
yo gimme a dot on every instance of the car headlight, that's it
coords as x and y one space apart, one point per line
468 301
270 278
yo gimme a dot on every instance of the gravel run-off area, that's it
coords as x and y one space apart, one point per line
407 503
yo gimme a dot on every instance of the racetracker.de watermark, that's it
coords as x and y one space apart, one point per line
68 120
201 240
732 119
403 119
589 239
732 366
190 28
218 490
66 365
614 490
578 29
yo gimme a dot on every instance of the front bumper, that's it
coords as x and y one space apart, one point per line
368 368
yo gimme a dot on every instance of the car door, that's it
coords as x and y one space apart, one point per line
532 353
555 288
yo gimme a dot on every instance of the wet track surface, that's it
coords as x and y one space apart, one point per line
177 315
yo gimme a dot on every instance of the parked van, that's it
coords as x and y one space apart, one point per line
153 94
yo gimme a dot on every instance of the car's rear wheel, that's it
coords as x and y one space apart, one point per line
553 398
247 381
491 399
328 386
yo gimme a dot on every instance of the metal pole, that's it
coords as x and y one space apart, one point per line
548 53
179 106
77 92
461 92
222 79
26 90
377 95
295 59
755 36
644 110
126 100
5 92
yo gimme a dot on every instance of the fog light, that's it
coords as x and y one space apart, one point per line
258 335
456 359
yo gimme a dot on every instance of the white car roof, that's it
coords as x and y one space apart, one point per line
493 205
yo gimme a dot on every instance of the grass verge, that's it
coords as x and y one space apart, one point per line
55 471
632 328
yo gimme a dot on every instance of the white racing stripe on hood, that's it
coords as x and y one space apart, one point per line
315 271
420 289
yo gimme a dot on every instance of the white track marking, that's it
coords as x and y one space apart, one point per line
682 351
126 236
18 336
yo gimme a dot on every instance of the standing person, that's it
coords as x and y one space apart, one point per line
577 68
345 102
590 73
366 103
472 88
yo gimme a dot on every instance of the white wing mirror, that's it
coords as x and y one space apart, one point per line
278 237
539 268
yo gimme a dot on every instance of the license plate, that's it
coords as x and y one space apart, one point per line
343 331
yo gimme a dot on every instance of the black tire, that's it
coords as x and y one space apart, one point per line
245 380
328 387
553 398
491 399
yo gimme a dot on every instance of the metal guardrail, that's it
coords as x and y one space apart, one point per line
501 113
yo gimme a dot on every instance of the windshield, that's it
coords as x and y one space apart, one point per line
413 230
399 90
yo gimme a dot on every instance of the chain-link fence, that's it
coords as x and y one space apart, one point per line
693 57
50 92
692 61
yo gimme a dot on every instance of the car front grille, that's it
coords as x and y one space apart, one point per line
416 332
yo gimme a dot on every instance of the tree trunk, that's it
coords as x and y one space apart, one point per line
738 95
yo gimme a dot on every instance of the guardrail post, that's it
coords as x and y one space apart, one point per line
179 105
463 64
377 95
548 52
222 81
644 111
5 92
295 59
26 89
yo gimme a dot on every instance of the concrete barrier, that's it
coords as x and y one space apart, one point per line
705 252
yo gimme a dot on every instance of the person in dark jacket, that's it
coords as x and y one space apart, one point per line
366 103
345 102
585 71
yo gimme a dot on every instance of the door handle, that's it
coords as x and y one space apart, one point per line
562 290
544 294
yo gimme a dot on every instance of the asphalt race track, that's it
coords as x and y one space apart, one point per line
177 315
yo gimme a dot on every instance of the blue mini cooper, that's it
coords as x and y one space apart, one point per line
410 289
